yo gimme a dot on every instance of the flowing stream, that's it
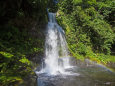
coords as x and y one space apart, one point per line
59 69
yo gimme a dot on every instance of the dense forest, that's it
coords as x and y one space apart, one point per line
21 38
88 24
90 28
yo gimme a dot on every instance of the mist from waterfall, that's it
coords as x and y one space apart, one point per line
56 51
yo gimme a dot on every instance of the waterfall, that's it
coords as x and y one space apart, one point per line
56 51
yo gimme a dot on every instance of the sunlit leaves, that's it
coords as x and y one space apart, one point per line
9 79
25 60
76 1
6 55
88 27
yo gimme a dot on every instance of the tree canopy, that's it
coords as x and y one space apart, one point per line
89 26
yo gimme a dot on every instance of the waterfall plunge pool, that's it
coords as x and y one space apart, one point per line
90 74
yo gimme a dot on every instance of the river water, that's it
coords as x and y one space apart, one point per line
59 69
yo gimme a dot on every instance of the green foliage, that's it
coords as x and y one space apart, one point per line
89 27
52 7
17 40
6 55
14 51
77 1
25 60
6 79
28 8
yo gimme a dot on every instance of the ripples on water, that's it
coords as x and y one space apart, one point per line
93 75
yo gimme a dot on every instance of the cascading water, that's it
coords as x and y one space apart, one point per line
56 51
56 69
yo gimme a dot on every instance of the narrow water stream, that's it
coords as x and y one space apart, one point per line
59 69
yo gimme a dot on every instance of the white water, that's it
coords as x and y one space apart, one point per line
56 51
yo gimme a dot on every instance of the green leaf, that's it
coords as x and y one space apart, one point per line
7 55
25 60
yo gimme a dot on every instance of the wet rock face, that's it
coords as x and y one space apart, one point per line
111 65
60 62
29 81
38 33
